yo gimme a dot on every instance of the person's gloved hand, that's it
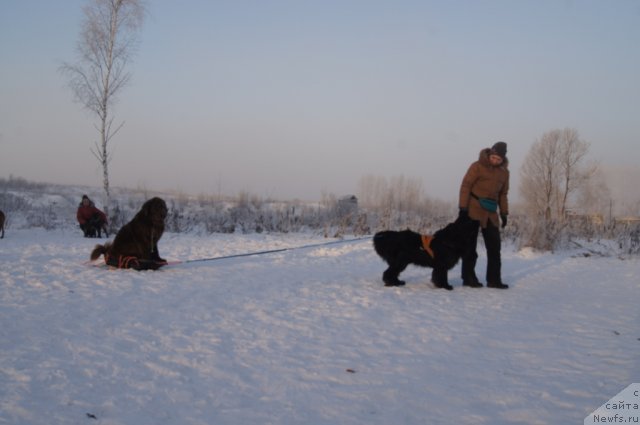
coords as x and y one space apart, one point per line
503 218
463 214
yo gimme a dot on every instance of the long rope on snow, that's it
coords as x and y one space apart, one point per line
269 251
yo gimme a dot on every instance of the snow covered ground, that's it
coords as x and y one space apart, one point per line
306 336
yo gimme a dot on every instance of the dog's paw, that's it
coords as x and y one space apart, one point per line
444 286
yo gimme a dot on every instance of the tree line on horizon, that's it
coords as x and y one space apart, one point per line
560 190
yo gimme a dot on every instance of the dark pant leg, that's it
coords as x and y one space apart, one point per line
470 257
491 236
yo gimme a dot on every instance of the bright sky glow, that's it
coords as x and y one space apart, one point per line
290 99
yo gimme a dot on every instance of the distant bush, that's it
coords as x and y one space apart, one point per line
10 203
26 206
18 183
628 238
45 218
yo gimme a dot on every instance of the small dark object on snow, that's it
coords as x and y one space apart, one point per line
91 416
616 332
94 227
351 371
2 219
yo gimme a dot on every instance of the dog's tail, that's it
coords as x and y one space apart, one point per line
100 250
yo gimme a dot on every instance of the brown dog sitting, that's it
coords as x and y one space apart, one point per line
136 243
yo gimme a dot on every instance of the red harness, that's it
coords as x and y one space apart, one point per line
124 262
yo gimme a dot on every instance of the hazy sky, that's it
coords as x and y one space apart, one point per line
290 99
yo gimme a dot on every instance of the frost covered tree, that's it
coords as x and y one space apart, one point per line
107 41
553 173
398 192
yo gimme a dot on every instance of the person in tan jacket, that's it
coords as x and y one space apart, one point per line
483 199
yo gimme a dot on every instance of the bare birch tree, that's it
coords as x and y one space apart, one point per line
551 176
553 171
107 42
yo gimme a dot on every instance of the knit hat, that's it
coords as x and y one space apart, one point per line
499 149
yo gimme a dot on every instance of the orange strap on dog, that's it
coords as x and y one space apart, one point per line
426 244
124 262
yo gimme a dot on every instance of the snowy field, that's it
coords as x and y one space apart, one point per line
307 336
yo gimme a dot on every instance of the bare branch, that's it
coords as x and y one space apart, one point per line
108 39
553 174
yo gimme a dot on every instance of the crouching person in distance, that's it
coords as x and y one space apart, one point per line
92 221
136 243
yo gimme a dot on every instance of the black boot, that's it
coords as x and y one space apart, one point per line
491 236
472 283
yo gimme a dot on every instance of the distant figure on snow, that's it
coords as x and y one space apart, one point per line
92 220
2 218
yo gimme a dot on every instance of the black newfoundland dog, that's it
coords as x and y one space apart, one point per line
440 252
94 227
136 243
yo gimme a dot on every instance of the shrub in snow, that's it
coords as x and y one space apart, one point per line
629 239
54 206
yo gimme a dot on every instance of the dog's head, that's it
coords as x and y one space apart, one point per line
154 211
